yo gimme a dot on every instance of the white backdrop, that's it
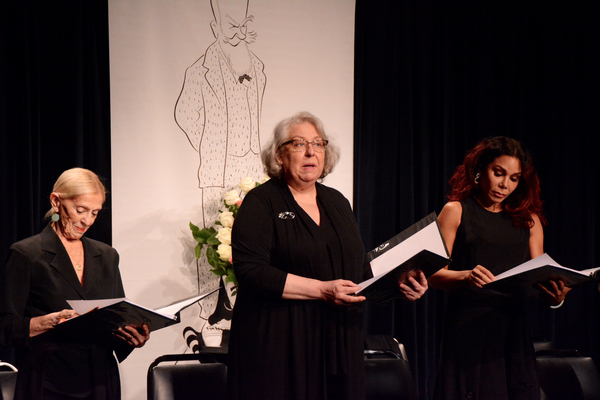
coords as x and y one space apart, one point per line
307 47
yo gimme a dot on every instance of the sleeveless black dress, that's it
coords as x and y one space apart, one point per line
486 350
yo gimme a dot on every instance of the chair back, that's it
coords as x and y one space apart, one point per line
387 371
191 377
568 377
8 381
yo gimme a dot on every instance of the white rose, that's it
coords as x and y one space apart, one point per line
226 219
224 251
265 178
231 197
247 184
224 235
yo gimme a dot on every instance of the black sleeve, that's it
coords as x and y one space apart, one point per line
252 242
14 292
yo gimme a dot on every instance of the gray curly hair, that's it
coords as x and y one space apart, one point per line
281 134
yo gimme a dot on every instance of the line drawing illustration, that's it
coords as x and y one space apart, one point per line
219 110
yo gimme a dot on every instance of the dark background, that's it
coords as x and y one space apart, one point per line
431 80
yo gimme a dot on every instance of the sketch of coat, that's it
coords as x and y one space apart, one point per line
216 119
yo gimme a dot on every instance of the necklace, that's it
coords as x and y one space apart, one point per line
77 261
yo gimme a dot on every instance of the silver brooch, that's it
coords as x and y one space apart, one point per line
287 215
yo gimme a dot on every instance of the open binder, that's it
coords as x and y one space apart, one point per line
419 247
104 316
523 279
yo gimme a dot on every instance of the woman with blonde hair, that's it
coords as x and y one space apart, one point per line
42 273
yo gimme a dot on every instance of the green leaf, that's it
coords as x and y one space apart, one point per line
213 257
218 272
198 251
194 228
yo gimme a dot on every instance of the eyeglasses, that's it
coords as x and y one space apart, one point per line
298 145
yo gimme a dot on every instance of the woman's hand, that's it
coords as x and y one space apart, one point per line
340 292
411 288
135 336
39 325
480 276
554 291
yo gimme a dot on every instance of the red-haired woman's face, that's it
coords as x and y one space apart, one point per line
498 181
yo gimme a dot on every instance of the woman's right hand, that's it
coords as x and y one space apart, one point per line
480 276
39 325
340 292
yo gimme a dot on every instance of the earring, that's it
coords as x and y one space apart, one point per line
477 176
55 217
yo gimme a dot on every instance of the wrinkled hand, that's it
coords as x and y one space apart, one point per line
340 292
39 325
135 336
411 288
554 291
480 276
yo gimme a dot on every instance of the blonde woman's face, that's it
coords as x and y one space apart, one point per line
76 214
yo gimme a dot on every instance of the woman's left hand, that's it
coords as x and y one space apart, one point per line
554 291
410 287
135 336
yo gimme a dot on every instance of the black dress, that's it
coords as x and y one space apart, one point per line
294 349
486 350
38 279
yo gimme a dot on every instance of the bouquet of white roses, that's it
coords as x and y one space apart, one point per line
218 240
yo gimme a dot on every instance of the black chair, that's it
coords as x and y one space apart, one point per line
542 345
387 371
193 376
565 375
8 380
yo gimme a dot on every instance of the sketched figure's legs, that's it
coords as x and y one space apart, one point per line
211 201
214 322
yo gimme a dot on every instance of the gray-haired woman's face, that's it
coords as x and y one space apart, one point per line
304 166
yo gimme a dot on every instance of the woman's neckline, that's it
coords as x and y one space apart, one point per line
485 208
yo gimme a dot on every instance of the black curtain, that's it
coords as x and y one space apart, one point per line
434 78
54 108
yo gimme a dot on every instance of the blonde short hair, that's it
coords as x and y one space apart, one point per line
76 182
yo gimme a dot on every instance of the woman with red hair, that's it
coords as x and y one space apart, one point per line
492 222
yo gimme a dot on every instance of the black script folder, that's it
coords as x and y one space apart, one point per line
419 247
104 316
523 279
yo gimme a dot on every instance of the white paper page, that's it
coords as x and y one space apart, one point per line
428 238
537 262
368 282
590 271
83 306
178 306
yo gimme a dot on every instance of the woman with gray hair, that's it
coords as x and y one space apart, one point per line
296 330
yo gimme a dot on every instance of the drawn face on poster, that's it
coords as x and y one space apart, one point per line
219 111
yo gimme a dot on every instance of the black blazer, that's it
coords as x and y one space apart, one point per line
38 279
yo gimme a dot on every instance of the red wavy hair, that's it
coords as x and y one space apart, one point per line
524 201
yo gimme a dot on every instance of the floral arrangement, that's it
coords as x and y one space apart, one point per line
218 238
